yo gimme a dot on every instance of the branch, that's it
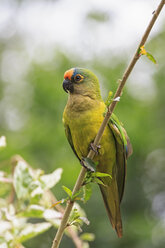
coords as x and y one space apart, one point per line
91 154
71 231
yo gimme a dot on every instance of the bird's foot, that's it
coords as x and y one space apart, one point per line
95 148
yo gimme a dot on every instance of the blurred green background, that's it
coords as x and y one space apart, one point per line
32 102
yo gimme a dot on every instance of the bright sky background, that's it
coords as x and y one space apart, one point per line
62 23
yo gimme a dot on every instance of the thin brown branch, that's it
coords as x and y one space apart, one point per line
71 232
60 231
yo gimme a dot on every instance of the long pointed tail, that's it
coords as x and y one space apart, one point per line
111 200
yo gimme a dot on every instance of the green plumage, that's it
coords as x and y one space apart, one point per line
82 118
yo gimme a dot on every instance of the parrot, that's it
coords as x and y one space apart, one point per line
82 118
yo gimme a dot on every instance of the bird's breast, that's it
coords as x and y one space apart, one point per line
83 127
84 130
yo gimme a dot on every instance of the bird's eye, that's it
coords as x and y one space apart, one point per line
78 77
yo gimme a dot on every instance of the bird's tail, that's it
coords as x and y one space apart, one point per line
112 203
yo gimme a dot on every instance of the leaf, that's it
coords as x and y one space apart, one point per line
22 179
87 236
78 216
5 226
52 179
79 209
37 192
109 99
32 230
74 215
36 211
7 236
100 174
3 245
51 214
68 191
93 177
150 57
57 203
89 164
87 192
76 195
88 177
143 51
97 180
78 220
78 225
85 220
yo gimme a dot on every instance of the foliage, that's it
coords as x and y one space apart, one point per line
143 51
26 209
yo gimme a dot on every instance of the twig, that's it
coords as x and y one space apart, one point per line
91 154
71 232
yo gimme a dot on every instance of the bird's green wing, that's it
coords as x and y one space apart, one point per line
123 135
69 137
123 151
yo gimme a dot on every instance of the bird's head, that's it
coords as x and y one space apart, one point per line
81 81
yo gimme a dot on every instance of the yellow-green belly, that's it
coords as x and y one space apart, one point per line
84 128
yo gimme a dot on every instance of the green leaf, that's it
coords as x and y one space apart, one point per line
89 164
68 191
151 57
88 177
78 225
52 179
22 179
109 99
87 192
76 194
100 174
74 215
84 219
143 51
35 211
32 230
79 209
87 237
98 181
36 191
77 216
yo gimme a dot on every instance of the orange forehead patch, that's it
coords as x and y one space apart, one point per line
68 74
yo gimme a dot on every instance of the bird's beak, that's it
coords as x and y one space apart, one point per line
68 86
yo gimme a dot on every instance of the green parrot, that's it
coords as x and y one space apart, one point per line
82 118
